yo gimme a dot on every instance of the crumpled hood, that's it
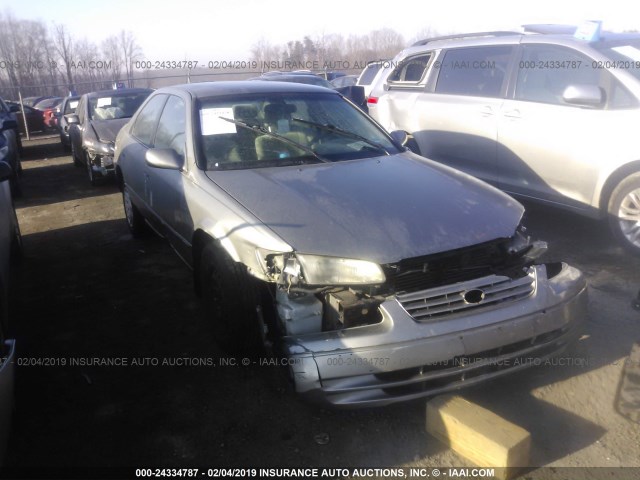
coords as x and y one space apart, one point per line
381 209
107 130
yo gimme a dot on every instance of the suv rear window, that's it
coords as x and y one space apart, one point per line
475 71
369 73
410 70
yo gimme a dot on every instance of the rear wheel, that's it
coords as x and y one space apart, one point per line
624 213
232 300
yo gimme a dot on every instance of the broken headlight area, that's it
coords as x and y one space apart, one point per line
303 312
510 257
100 161
318 294
100 154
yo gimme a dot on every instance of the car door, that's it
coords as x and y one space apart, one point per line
166 186
132 157
457 124
551 148
394 109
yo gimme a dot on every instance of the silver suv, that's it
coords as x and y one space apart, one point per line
541 114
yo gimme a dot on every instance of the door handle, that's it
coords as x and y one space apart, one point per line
487 111
515 113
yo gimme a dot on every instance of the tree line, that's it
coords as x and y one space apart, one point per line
335 50
41 59
47 60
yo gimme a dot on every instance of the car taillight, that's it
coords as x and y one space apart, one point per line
373 100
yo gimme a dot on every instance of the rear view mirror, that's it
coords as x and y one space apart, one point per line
583 95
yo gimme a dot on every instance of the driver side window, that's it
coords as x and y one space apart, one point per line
171 127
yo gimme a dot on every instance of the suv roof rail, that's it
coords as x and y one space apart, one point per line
549 28
497 33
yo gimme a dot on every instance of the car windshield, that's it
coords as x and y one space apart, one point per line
267 130
110 107
625 55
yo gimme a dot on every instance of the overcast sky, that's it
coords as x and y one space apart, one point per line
210 30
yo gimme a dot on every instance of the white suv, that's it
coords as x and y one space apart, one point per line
541 115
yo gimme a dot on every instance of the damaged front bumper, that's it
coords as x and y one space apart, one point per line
101 165
412 355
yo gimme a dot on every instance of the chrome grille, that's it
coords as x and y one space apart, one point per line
447 300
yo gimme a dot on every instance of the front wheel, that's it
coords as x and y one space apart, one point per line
135 221
92 176
624 213
77 162
231 299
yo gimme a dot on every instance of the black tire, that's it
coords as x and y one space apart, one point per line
92 177
77 162
135 221
231 299
15 186
625 200
16 242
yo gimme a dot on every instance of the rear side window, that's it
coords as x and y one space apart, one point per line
147 119
475 71
411 70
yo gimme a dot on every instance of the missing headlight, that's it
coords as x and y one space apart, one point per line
348 308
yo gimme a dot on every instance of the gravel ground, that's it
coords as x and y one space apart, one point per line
88 290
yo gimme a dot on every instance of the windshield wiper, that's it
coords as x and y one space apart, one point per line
284 139
332 128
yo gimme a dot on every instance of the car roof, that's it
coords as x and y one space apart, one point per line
212 89
534 33
117 92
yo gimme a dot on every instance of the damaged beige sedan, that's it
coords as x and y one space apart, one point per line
312 233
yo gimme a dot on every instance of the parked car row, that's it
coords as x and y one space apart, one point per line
94 124
548 117
10 249
12 145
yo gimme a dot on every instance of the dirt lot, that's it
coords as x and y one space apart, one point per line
87 290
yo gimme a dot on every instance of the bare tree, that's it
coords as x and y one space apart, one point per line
264 52
386 42
112 53
131 52
65 47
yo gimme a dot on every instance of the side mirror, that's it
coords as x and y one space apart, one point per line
405 140
72 119
166 158
6 172
9 125
583 95
14 108
400 137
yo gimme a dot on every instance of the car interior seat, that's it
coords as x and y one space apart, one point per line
277 119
